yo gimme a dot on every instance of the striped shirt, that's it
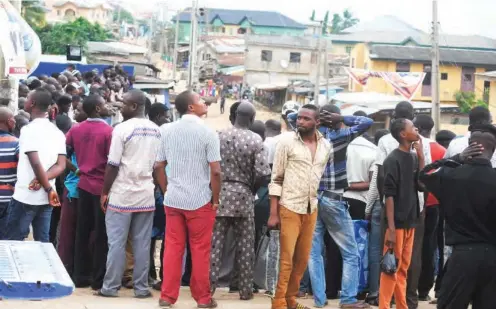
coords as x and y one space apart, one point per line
188 146
9 156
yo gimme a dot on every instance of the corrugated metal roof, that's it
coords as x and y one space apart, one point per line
423 54
115 48
256 18
282 41
383 23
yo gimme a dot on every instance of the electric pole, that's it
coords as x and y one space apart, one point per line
436 109
326 69
192 44
316 90
176 42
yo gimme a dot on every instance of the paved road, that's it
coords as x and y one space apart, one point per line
83 298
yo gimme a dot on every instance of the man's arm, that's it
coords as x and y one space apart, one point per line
113 163
391 180
58 168
262 168
39 171
214 158
160 175
357 125
372 194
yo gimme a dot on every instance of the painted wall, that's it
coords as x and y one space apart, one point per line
276 30
492 100
94 15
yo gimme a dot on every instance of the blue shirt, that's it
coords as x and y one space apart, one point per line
9 157
72 180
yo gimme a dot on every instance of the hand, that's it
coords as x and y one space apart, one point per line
53 198
419 148
473 150
215 206
390 238
330 119
34 185
274 222
103 203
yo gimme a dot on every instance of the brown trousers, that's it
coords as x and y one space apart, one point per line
295 245
396 284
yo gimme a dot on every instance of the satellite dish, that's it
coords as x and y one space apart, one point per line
284 64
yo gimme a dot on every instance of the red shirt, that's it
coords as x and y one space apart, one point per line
437 153
90 141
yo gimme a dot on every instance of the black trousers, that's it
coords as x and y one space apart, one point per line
470 277
413 275
91 247
333 267
427 275
440 245
356 209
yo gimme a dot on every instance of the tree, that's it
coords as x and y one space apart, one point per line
349 19
33 13
124 16
339 23
466 101
78 32
325 23
312 18
336 23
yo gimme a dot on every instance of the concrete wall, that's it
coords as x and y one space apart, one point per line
94 15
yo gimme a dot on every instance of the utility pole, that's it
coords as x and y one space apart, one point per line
192 44
326 69
176 42
316 90
436 109
150 39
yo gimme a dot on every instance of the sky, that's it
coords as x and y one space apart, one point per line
456 16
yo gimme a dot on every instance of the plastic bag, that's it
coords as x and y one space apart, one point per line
362 240
389 263
260 270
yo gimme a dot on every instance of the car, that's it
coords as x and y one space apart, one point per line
290 107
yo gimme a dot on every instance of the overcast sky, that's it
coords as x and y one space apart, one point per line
456 16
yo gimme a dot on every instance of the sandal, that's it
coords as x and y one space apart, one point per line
299 306
357 305
211 304
100 294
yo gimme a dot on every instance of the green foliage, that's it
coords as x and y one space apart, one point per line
466 101
341 22
124 16
33 13
312 18
78 32
325 24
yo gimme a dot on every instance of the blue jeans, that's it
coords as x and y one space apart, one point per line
21 216
4 213
333 217
305 282
375 250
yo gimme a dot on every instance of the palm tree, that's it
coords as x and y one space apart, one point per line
336 23
348 19
33 13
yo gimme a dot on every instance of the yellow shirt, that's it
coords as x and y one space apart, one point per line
295 176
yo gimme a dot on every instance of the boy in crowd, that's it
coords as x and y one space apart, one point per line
401 169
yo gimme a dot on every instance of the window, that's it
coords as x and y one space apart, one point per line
352 62
444 76
467 77
266 55
295 57
58 12
207 57
348 49
428 75
402 67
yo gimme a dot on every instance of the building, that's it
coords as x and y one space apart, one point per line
489 79
457 68
68 10
236 23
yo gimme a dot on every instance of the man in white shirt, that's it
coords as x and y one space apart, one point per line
386 145
128 195
272 136
42 158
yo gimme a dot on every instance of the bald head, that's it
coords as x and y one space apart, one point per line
272 127
245 115
258 127
5 114
136 96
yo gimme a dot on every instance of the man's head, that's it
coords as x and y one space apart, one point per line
479 115
75 101
360 113
55 75
308 119
71 67
404 110
232 112
258 127
20 121
43 77
71 89
64 123
272 128
23 91
404 131
21 102
106 72
380 133
34 84
88 77
64 103
38 102
189 102
484 135
7 120
158 113
63 80
52 81
134 104
94 106
424 124
245 115
444 138
333 109
79 114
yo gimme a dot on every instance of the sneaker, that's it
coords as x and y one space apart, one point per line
425 298
211 304
164 304
321 306
157 286
299 306
301 294
269 293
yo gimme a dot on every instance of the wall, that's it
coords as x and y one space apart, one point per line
492 100
94 15
276 30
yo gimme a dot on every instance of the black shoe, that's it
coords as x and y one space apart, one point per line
157 286
425 298
233 289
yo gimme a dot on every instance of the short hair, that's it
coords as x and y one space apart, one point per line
35 84
156 109
234 108
479 115
379 134
404 109
63 122
258 127
90 103
273 125
444 136
312 107
331 108
70 88
42 98
64 100
397 125
55 75
424 122
76 98
183 101
70 65
21 102
360 113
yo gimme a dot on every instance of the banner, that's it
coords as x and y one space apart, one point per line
405 83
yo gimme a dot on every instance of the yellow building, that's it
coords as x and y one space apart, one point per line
490 78
68 10
458 68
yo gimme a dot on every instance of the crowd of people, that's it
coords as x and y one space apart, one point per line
125 177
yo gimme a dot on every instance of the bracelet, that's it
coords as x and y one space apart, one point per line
48 190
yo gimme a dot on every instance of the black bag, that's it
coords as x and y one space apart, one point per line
260 269
389 263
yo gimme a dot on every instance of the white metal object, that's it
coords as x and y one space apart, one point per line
435 76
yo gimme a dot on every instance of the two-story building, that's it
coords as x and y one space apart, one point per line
457 68
67 10
236 23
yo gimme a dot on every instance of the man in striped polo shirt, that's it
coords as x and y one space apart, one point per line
192 188
9 156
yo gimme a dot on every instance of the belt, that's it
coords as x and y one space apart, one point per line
333 196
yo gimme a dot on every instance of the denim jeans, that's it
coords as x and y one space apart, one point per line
333 217
21 216
305 282
375 250
4 213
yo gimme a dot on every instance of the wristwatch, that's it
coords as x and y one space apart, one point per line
47 190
